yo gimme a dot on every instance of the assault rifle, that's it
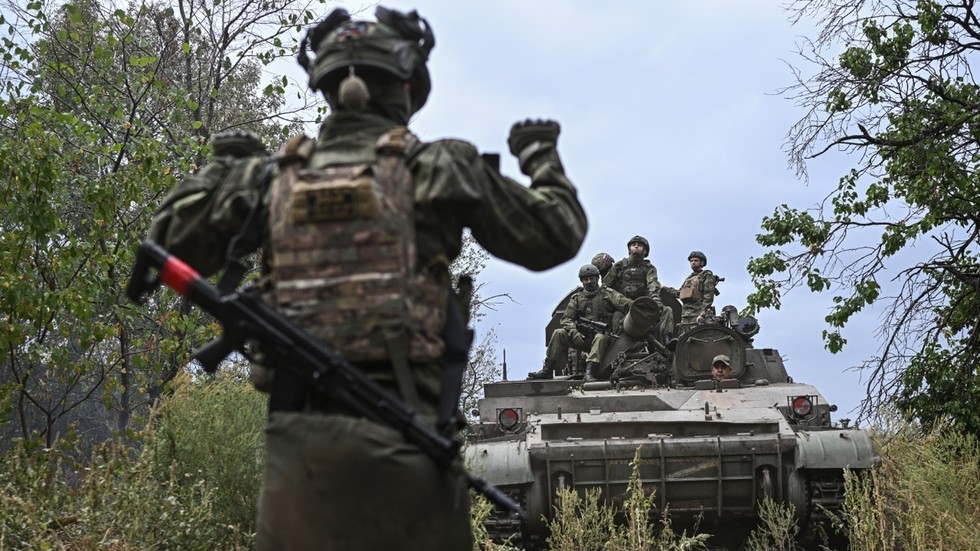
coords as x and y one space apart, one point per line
247 319
591 327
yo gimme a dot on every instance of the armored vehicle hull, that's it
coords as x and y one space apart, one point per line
709 449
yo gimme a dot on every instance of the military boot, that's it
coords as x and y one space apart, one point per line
591 372
547 371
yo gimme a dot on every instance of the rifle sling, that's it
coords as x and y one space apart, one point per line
398 354
248 238
457 338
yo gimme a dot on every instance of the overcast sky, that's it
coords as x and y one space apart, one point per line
672 128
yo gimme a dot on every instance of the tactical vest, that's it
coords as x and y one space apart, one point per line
593 307
633 278
343 261
692 289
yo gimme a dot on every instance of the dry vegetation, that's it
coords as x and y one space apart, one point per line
193 482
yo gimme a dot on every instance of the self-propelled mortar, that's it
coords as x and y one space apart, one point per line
710 449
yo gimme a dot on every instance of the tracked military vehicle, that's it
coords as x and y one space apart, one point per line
711 450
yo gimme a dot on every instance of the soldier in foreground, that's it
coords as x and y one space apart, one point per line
357 230
591 304
698 291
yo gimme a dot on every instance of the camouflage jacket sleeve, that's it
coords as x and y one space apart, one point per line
617 302
708 286
537 227
201 215
570 315
653 284
612 278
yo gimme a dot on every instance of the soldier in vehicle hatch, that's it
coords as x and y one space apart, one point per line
357 229
591 304
634 276
721 367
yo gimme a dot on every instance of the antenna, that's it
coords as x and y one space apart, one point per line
505 364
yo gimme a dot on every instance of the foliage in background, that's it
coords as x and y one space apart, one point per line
213 431
103 110
194 485
583 523
777 530
482 367
892 84
925 496
480 510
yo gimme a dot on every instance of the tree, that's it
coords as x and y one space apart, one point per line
900 229
102 110
482 366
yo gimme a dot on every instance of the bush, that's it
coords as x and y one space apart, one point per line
583 524
213 432
193 485
925 496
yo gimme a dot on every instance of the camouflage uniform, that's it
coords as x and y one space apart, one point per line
332 479
598 305
635 277
697 293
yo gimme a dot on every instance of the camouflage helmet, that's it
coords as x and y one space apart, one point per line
642 241
588 271
397 44
698 254
604 262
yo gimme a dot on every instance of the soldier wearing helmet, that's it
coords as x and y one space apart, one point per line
634 276
591 302
604 262
329 476
698 291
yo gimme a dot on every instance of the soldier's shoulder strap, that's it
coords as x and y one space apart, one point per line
400 140
296 150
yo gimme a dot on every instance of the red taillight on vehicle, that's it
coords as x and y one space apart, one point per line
508 419
802 406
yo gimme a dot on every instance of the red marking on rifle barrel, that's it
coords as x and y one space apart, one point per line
177 275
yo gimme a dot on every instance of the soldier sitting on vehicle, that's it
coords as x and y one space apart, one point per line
634 276
593 303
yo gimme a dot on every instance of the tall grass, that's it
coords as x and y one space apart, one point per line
925 496
583 524
192 480
192 485
777 529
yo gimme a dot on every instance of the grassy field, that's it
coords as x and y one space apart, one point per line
194 481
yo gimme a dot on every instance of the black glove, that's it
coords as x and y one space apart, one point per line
525 133
578 339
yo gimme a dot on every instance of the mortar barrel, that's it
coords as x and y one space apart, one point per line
643 313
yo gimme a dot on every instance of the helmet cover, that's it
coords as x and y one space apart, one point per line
397 44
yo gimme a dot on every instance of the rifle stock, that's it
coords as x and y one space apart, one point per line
244 317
